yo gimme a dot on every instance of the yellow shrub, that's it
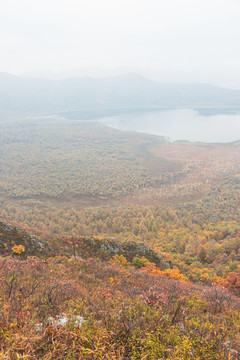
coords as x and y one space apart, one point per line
175 274
18 249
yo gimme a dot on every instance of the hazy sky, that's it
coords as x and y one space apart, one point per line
198 38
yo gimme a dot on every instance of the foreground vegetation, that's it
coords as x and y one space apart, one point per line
127 313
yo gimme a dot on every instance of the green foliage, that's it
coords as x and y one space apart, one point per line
137 262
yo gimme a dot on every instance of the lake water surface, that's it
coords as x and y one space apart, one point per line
181 124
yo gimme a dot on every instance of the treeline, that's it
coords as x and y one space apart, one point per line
202 238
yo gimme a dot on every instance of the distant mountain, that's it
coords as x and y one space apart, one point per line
125 91
226 77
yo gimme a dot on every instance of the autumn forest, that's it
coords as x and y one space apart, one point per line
116 244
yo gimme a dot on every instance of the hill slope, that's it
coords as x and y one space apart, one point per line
12 237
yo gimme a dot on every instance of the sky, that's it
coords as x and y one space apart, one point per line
181 40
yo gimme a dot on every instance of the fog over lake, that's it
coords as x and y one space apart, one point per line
182 124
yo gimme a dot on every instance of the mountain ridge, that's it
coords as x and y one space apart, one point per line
129 90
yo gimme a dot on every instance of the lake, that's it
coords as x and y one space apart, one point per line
211 125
